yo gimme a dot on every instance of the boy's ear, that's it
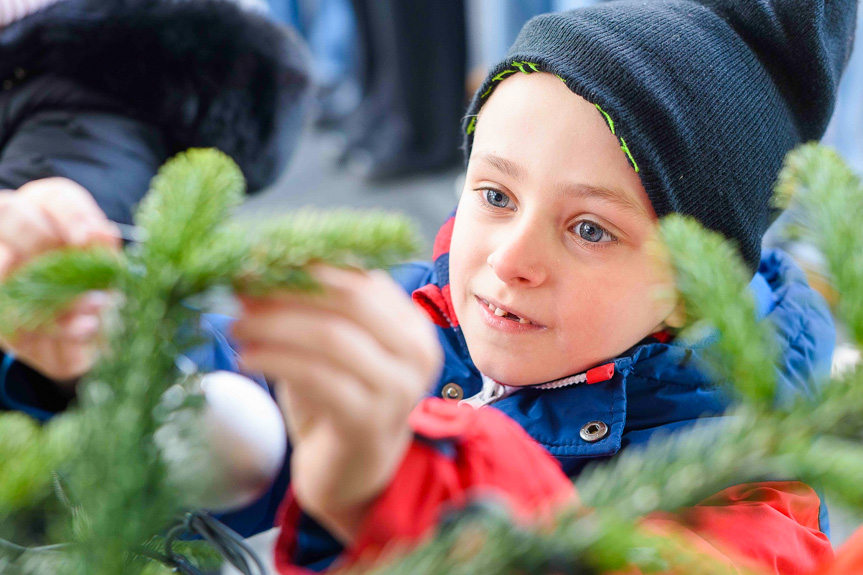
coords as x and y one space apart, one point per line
677 318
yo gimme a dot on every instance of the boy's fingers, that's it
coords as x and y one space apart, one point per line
57 359
92 302
74 359
371 300
317 387
77 327
334 338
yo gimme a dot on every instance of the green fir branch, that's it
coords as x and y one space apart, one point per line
826 200
190 197
115 473
37 293
280 251
275 254
712 280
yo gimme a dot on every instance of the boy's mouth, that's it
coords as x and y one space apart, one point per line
504 313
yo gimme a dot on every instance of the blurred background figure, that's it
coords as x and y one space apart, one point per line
498 22
391 80
330 30
102 92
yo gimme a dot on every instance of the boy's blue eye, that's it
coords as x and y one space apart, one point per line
496 198
592 232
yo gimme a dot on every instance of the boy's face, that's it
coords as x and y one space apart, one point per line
553 226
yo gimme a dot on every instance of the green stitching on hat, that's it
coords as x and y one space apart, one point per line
471 126
623 145
625 149
534 67
607 119
503 75
495 79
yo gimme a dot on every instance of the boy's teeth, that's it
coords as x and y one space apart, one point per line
491 307
522 320
499 312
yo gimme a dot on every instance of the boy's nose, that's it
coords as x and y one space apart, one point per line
520 257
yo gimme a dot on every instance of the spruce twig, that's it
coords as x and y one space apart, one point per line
35 294
828 213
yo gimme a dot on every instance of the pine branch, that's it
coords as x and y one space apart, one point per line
35 294
280 251
123 494
190 197
275 254
712 280
826 200
25 455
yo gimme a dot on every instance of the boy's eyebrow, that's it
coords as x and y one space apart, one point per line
585 191
508 167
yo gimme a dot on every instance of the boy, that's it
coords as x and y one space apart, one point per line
543 295
598 122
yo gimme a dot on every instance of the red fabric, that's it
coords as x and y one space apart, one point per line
429 483
771 527
849 558
437 304
288 518
662 336
443 239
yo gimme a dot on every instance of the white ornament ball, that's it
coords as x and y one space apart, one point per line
239 447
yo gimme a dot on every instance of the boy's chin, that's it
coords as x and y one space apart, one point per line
516 373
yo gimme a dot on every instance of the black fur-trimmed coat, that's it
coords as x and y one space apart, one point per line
104 91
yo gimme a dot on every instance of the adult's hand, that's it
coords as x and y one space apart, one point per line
41 216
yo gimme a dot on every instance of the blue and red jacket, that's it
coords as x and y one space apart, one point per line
526 447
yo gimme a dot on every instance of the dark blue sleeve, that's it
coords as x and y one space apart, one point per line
84 137
26 390
412 275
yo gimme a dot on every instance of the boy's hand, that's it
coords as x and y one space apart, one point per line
41 216
350 365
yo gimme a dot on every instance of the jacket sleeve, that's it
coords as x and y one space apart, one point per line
848 560
459 454
111 154
767 527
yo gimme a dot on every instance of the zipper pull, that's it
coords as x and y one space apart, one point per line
491 392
